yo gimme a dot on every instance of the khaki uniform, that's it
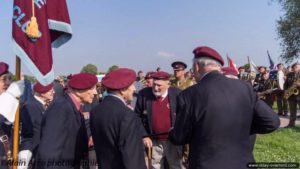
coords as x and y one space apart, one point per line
182 84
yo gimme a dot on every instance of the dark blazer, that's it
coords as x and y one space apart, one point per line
216 117
63 135
35 110
144 107
117 141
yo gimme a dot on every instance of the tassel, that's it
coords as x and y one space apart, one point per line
32 28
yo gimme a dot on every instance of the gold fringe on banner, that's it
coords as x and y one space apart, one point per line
32 28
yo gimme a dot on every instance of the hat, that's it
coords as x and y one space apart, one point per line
204 51
149 75
294 64
39 88
82 81
241 67
119 78
229 71
3 68
178 65
161 75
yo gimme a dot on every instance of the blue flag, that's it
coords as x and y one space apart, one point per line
271 61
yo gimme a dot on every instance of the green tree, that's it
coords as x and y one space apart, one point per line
89 68
288 29
113 67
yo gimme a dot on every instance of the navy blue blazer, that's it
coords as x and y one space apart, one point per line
117 141
144 107
217 118
63 135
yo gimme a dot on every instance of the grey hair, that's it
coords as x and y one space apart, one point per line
205 61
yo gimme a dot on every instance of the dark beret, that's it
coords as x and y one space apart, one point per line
82 81
3 68
161 75
204 51
149 75
39 88
229 71
178 65
294 64
119 79
241 67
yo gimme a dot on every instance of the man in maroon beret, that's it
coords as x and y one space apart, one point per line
149 79
156 106
34 108
63 131
5 77
115 127
218 116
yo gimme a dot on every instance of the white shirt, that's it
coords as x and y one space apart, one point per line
280 79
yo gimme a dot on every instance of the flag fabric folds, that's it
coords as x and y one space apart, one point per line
272 65
232 64
55 30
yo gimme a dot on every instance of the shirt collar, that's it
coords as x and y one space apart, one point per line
40 100
118 97
76 103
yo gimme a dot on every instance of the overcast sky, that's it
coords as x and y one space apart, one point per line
145 34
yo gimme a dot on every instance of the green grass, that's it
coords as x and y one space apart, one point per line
280 146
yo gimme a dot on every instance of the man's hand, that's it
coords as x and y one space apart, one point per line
147 142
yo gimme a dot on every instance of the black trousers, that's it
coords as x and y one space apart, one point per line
282 104
293 102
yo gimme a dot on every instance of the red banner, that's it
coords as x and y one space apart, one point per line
55 30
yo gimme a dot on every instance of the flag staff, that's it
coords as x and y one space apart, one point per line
17 120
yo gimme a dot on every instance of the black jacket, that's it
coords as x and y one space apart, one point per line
144 107
216 117
117 141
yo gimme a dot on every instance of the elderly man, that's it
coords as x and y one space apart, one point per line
64 142
115 127
218 115
9 94
156 107
34 108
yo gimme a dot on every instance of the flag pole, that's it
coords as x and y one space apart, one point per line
17 120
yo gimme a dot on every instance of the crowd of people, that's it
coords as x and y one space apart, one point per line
203 118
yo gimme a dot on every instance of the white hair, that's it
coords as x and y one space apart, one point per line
205 61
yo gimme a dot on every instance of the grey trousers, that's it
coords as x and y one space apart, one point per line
166 149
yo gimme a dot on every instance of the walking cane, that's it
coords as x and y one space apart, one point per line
149 157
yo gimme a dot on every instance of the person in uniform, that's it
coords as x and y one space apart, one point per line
115 127
31 118
9 94
180 81
156 107
264 90
218 115
281 101
149 79
292 81
64 140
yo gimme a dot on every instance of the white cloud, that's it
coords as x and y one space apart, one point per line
166 54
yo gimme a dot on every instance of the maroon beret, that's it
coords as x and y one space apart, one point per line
161 75
3 68
294 64
119 78
178 65
241 67
204 51
229 71
39 88
82 81
149 75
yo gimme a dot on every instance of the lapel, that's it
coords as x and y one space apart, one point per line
76 113
148 103
39 105
172 104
